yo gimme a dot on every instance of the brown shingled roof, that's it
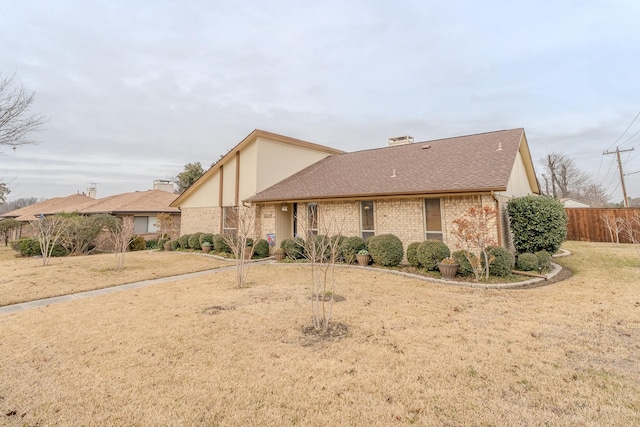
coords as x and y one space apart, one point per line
150 201
481 162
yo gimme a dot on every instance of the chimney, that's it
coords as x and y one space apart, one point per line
163 185
400 140
91 192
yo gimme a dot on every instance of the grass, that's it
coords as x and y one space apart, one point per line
203 352
25 279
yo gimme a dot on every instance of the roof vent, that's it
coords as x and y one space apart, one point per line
426 147
400 140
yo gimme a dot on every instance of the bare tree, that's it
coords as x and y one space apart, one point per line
242 221
121 234
563 179
321 249
16 121
4 192
49 229
614 225
474 231
631 228
18 203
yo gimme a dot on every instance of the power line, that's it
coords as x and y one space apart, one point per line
625 131
624 189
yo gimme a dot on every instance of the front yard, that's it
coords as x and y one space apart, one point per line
203 352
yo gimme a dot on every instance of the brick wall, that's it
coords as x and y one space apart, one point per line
205 220
403 218
455 207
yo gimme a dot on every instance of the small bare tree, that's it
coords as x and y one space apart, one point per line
165 224
631 228
49 229
474 233
614 225
121 234
321 249
240 224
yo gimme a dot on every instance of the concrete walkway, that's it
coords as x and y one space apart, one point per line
104 291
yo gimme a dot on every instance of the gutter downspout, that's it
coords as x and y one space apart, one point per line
498 217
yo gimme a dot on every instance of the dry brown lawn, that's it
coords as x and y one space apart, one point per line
203 352
25 279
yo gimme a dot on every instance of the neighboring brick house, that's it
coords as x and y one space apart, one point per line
139 207
411 190
257 162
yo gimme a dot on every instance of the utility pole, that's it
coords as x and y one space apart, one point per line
624 189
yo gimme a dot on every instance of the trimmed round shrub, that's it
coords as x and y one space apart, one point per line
464 266
412 254
175 244
184 241
219 245
544 260
431 252
294 247
385 250
161 243
350 248
336 244
194 241
538 223
138 244
261 249
527 262
152 244
206 237
503 263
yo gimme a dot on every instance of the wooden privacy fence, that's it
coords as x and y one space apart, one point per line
601 224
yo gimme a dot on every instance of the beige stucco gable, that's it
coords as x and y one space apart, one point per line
522 180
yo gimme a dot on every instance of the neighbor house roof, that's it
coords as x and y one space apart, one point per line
257 133
481 162
150 201
49 207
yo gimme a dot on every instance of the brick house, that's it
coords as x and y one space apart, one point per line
139 207
413 190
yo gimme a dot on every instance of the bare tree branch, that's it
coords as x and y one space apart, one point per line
16 121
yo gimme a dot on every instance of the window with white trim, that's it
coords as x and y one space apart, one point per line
366 219
229 219
312 219
433 219
145 224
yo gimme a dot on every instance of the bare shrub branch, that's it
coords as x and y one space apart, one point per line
49 229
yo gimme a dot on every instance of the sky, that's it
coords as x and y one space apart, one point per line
135 90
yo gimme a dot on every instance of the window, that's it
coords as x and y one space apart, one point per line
229 219
366 219
145 224
433 219
312 219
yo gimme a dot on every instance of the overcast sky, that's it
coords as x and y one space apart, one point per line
137 89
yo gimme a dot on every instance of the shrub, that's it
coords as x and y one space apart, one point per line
431 252
194 241
321 247
249 242
29 246
527 262
350 247
219 245
503 262
544 260
175 244
161 243
152 244
336 244
538 223
294 247
183 241
412 254
385 250
261 249
205 237
464 266
138 244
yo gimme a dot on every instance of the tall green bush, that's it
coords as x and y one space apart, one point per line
261 249
431 252
194 241
538 223
385 250
183 241
412 254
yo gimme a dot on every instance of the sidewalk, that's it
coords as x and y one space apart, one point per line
14 308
